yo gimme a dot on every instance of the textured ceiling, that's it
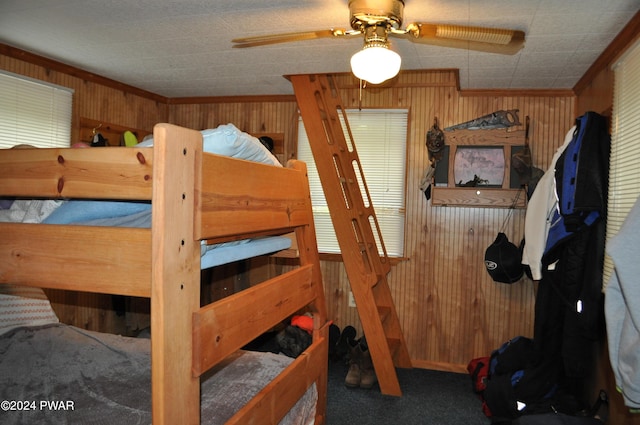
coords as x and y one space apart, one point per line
182 48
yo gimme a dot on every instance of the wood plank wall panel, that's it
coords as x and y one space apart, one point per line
95 101
598 95
250 117
449 308
451 311
99 102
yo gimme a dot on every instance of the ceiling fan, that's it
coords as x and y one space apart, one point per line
378 20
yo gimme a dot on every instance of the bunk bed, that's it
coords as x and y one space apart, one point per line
197 200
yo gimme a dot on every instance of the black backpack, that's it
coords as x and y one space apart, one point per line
518 383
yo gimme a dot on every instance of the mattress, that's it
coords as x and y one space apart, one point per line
62 374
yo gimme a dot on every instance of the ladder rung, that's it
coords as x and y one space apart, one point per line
394 344
383 312
376 279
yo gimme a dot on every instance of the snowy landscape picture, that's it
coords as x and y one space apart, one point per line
479 166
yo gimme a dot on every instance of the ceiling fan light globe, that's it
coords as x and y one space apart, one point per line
375 64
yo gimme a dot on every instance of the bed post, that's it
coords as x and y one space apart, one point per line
175 281
308 252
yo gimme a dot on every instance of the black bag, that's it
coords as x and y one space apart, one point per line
518 384
513 355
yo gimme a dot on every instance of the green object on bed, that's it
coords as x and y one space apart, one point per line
130 139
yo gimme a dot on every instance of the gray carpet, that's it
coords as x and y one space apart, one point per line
429 397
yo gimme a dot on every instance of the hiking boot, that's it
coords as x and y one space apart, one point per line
367 372
354 374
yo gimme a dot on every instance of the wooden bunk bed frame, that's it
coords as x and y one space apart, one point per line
195 196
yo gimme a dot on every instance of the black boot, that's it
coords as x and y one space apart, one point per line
346 340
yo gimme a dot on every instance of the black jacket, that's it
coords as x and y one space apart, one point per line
569 317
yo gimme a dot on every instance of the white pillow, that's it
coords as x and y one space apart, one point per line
228 140
24 306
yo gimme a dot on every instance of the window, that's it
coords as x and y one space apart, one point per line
624 174
34 112
383 158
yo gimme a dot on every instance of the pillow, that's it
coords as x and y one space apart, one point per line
24 306
228 140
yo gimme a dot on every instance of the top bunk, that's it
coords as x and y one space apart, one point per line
196 199
225 200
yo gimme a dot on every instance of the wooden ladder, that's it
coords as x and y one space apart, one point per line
354 221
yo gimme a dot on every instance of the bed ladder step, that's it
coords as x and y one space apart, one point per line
356 227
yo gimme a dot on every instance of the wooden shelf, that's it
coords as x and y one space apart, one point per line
480 196
495 137
477 197
111 132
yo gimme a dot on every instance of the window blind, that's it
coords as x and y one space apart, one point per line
34 113
624 174
381 137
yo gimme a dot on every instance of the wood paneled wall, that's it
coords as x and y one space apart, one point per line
92 99
276 116
101 102
450 309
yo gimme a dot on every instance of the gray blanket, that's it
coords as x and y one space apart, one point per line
60 374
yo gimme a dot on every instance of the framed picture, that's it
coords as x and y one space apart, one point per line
475 169
479 166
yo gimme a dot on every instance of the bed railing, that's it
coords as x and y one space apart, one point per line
194 196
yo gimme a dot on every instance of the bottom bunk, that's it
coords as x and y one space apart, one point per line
62 374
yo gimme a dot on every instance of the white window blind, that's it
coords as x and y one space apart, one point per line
380 136
34 113
624 174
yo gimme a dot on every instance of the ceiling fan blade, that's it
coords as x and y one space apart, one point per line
491 40
262 40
